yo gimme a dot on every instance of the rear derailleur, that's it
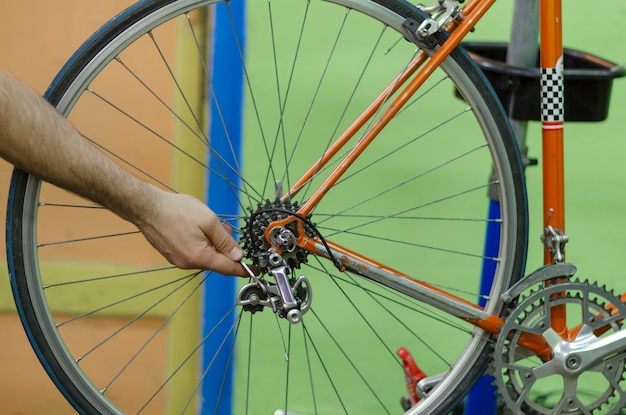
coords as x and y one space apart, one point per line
289 297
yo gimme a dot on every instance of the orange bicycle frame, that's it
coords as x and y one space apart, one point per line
552 131
407 83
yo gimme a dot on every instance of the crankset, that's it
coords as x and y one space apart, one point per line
582 369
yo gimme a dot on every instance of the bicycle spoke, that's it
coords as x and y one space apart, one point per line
186 358
325 368
134 319
282 101
126 299
249 191
182 94
108 277
309 367
153 335
409 243
408 143
232 330
351 363
196 132
316 93
393 297
376 298
353 92
401 214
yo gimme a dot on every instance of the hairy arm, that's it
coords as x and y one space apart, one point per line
37 139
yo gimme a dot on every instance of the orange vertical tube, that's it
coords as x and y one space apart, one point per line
552 116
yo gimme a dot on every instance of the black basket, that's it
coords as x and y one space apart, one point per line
588 82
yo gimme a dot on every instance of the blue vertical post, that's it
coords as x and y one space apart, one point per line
226 88
482 399
522 52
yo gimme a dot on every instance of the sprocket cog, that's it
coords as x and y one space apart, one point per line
253 238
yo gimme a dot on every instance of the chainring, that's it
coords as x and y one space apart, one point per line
529 384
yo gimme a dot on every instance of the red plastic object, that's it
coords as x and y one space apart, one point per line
412 375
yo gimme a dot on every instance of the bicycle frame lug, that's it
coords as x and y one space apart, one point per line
545 273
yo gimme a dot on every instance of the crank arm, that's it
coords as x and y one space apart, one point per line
587 351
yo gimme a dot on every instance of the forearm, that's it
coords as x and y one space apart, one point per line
37 139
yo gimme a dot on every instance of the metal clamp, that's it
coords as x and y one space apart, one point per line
440 14
555 240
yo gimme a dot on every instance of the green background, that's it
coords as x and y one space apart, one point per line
595 153
595 172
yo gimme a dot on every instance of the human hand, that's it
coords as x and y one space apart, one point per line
189 234
36 138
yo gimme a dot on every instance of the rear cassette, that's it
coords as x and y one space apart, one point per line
257 246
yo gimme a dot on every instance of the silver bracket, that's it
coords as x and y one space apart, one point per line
555 240
425 385
548 272
440 14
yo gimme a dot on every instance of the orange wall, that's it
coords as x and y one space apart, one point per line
42 36
36 39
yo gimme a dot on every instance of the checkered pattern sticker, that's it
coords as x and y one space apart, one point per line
552 94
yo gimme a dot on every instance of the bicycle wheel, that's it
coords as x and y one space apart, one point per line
415 200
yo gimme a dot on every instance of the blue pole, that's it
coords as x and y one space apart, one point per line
522 52
226 97
482 399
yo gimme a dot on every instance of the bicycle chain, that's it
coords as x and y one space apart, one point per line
522 378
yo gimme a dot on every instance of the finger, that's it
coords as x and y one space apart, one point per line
221 237
227 227
222 264
236 253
